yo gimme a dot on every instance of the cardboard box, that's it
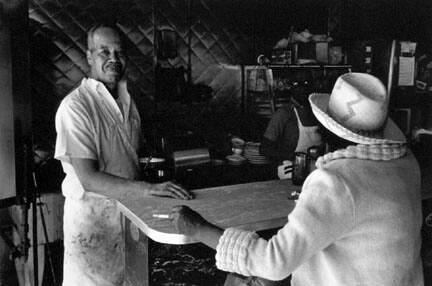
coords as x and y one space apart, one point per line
282 56
313 51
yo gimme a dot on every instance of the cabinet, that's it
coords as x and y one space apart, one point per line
259 91
268 88
302 80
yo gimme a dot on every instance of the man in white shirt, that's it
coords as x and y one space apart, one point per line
98 134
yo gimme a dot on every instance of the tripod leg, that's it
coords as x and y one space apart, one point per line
29 268
20 269
48 248
38 195
20 261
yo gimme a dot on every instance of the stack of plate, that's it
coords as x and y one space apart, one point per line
235 159
252 154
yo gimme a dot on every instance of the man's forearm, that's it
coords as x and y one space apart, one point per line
94 180
116 187
113 186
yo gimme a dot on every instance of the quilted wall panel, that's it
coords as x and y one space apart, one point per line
58 44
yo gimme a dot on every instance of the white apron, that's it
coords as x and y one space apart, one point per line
308 136
94 246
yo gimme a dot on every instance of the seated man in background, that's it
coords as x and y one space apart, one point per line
292 128
358 218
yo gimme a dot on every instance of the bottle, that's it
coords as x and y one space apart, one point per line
312 155
163 151
299 168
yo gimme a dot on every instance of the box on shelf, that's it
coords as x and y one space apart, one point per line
335 55
282 56
322 52
313 52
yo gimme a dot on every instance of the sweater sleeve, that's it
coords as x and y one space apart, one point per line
231 252
324 213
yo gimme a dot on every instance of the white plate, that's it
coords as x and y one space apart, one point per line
235 158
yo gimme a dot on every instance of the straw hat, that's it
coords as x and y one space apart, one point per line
357 110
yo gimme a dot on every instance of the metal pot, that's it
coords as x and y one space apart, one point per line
153 169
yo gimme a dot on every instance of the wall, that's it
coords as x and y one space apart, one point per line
386 19
7 151
218 32
58 43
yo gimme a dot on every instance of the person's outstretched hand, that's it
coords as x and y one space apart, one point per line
170 189
187 221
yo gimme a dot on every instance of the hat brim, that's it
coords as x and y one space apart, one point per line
319 103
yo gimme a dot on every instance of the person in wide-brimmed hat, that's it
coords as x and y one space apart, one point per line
358 218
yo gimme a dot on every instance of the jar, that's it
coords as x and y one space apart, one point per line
154 170
312 156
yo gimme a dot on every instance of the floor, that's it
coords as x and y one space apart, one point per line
190 265
186 265
170 265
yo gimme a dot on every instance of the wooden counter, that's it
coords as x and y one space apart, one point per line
244 205
252 206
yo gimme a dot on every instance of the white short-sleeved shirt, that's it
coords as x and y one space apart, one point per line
91 125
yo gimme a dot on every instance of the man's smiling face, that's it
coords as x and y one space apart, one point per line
106 57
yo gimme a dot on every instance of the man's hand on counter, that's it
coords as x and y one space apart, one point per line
170 189
188 222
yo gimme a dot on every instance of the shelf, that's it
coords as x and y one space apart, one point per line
258 91
324 66
423 92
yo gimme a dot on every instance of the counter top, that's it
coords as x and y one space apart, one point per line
244 205
252 206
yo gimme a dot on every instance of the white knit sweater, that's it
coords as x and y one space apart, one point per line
357 222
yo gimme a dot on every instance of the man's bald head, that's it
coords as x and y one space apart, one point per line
96 28
106 55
